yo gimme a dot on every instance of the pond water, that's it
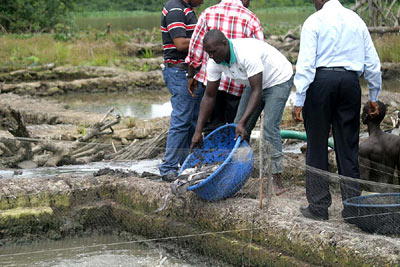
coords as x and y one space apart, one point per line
107 250
150 104
142 105
47 172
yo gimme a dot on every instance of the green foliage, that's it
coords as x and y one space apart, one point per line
62 32
33 15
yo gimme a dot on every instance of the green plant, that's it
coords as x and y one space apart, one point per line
147 53
63 32
82 130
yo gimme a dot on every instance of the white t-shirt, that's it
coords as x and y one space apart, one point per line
252 57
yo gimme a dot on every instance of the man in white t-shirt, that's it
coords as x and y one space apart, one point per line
268 73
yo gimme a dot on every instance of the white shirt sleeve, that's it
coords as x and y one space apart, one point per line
372 68
253 65
306 62
213 71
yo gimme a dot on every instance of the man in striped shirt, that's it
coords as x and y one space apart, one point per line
177 24
235 20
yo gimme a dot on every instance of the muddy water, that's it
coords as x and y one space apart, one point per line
99 251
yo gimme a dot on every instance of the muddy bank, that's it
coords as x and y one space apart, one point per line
277 235
66 80
78 79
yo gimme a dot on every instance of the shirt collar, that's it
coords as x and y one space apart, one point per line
185 4
332 3
232 55
237 2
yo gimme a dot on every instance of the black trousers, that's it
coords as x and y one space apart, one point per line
333 100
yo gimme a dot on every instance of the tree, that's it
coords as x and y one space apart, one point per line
34 15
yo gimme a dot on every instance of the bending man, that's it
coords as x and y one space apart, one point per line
258 65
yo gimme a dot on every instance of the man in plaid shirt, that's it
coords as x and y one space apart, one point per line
236 21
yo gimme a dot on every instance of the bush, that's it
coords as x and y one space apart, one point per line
34 15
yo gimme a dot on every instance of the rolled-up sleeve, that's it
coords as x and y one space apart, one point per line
213 71
372 67
306 62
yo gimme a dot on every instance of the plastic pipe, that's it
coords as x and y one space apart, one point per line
289 134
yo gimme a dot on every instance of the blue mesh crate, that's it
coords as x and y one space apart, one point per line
236 164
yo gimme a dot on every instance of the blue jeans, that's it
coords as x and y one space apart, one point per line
185 110
273 101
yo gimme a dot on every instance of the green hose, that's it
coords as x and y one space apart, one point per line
288 134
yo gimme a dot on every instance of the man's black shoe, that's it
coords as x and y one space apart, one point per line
169 177
311 215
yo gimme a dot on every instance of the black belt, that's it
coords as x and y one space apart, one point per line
333 68
182 66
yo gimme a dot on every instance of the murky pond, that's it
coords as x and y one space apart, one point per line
47 172
105 250
142 105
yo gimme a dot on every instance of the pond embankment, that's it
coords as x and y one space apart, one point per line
234 230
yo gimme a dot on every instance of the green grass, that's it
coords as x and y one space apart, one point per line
279 20
388 48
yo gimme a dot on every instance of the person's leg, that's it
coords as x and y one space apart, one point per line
231 107
275 99
244 100
194 115
346 128
217 116
317 113
183 116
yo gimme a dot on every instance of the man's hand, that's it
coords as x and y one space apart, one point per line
192 86
240 131
197 140
296 114
373 110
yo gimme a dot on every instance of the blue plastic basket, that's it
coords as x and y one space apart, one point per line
236 164
377 213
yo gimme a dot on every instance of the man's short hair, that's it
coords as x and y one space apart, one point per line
214 36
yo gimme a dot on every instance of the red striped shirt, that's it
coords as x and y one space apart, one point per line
235 21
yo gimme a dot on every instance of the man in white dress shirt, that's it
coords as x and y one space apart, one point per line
263 68
335 49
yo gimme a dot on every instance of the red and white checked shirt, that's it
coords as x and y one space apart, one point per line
235 21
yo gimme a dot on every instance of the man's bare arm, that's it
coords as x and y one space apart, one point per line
181 43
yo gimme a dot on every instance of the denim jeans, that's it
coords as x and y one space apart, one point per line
185 110
273 101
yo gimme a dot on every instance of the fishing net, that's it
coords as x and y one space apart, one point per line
126 215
